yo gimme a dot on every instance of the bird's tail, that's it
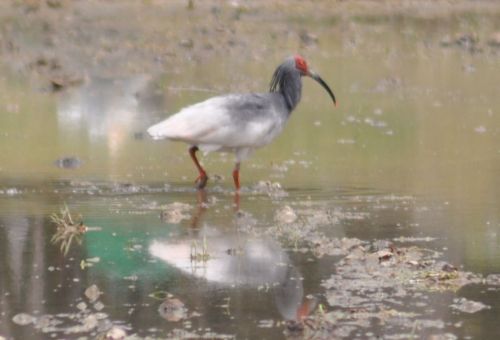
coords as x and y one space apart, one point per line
157 131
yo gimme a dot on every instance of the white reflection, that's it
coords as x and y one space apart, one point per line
109 111
234 261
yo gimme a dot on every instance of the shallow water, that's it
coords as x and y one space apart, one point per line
411 156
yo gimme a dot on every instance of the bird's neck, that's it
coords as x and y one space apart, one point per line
291 89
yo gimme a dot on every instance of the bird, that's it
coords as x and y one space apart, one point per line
239 123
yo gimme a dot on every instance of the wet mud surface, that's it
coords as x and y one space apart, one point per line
195 267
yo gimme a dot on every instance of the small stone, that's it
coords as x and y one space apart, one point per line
172 310
116 333
81 306
92 293
23 319
98 306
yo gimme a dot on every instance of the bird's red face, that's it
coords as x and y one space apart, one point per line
301 65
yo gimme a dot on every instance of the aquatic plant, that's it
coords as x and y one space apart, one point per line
68 229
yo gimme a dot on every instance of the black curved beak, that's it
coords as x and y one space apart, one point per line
322 83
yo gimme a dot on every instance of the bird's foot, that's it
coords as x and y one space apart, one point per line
201 181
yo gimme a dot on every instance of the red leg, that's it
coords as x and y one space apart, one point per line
236 176
202 179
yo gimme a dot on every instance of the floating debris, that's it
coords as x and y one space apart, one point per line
80 321
370 286
468 306
68 229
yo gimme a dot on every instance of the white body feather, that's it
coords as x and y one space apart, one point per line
211 126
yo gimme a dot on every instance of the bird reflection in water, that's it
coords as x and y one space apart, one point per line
203 204
233 260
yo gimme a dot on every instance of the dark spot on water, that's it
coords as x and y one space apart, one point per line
68 162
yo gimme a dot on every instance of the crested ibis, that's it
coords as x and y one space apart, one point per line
239 123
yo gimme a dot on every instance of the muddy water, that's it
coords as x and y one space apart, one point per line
410 158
